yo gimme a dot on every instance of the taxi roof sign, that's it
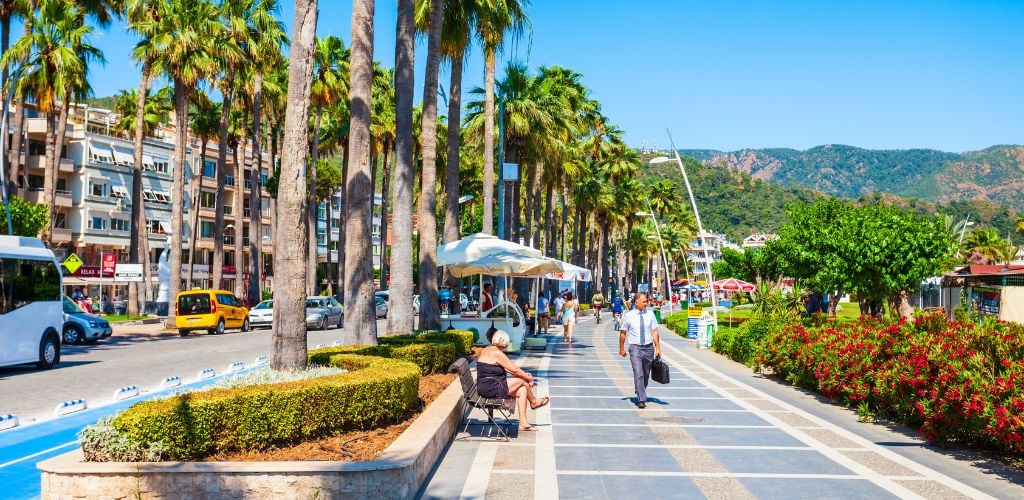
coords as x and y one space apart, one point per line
72 263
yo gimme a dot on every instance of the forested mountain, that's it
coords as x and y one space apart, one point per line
734 202
102 102
995 174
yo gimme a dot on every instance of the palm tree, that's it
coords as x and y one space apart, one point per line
289 329
204 123
400 315
181 34
496 18
382 128
430 316
57 42
987 243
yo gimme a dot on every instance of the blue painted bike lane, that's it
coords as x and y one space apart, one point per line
22 448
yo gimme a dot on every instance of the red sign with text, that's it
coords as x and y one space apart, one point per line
109 263
92 272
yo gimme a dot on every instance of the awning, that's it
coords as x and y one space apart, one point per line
101 153
148 194
148 161
163 196
569 272
166 226
120 191
122 158
505 264
480 245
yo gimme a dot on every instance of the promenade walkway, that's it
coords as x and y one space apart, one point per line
703 435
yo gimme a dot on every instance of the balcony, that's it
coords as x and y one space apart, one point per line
37 126
38 162
62 198
61 235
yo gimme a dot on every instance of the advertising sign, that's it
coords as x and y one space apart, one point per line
109 263
92 272
128 272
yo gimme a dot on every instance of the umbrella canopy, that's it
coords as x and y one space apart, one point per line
505 264
480 245
569 272
734 285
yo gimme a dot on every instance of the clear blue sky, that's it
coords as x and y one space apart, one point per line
783 73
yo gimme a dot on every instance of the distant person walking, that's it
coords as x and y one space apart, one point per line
640 330
569 316
543 313
559 303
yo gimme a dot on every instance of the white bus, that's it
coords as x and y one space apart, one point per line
31 311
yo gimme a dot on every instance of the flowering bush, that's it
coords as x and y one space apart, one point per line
954 381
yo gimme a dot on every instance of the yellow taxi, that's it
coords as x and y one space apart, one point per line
210 310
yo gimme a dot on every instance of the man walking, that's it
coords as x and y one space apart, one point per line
641 330
543 313
559 303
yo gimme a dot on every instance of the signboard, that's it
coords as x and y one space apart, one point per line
510 172
128 272
92 272
109 263
694 311
725 303
72 263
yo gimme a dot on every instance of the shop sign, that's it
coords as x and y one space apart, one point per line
128 273
92 272
109 263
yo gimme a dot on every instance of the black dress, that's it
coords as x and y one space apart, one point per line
491 381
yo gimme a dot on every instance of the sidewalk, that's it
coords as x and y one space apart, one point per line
703 435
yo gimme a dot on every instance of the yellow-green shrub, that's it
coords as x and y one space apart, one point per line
374 392
430 357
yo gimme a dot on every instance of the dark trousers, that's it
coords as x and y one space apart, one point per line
641 357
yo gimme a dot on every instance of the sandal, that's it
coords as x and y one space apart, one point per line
528 428
543 401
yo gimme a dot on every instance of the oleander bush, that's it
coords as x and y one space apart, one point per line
955 382
374 392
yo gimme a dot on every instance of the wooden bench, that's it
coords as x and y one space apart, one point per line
472 399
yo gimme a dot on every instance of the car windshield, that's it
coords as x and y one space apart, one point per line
266 304
70 307
314 303
195 303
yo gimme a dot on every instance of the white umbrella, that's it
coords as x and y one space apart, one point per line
479 245
505 264
570 272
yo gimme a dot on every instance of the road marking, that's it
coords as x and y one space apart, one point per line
684 446
674 398
862 470
695 410
36 454
709 426
480 472
766 475
684 388
545 481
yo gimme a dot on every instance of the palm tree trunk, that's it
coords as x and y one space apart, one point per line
217 266
360 314
256 197
18 125
451 180
384 192
177 194
289 328
196 207
400 316
311 243
430 314
48 178
138 228
603 258
549 227
535 187
238 200
341 225
488 188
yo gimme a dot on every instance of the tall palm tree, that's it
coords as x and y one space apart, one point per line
57 43
181 34
988 243
430 314
289 329
382 128
400 315
458 25
359 302
204 123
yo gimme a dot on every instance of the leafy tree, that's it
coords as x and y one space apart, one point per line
987 243
27 219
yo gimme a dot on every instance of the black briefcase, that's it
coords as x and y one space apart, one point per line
659 371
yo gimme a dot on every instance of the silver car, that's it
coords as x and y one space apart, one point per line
322 312
262 314
380 306
82 327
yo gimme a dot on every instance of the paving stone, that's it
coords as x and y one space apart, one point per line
570 458
932 490
790 488
515 457
763 404
723 487
743 437
517 486
604 435
616 487
879 464
830 438
778 462
795 420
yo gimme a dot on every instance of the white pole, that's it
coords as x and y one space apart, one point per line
700 228
661 245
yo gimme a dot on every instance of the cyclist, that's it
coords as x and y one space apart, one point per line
598 302
618 306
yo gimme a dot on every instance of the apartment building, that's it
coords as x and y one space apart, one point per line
705 249
94 198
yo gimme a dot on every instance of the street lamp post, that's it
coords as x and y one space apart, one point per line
661 244
18 73
700 226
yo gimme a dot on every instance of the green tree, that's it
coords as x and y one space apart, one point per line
987 243
27 219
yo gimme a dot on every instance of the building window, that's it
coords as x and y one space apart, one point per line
35 183
120 225
206 229
155 227
264 207
245 235
229 236
376 250
98 223
229 180
95 188
245 207
161 166
321 237
210 169
266 231
268 265
207 199
321 211
334 223
263 177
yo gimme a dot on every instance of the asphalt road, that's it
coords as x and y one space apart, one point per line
137 355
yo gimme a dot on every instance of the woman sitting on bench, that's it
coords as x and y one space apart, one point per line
491 382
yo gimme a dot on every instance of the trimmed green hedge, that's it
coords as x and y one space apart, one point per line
374 392
462 339
430 357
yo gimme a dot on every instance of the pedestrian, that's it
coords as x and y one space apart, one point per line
559 302
487 302
543 313
640 330
569 316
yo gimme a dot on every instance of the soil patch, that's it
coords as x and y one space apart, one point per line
350 446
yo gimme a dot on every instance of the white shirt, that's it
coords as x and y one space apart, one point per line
631 322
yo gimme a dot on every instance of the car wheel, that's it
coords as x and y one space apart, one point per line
73 334
49 352
220 327
323 324
183 333
245 325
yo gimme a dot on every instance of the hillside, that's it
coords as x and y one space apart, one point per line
737 203
995 174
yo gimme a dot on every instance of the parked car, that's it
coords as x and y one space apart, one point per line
381 306
464 303
262 314
82 327
212 310
322 312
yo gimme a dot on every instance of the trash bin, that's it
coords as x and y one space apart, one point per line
657 316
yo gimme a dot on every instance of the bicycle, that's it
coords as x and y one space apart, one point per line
616 320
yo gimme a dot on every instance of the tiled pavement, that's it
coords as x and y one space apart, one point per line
703 435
